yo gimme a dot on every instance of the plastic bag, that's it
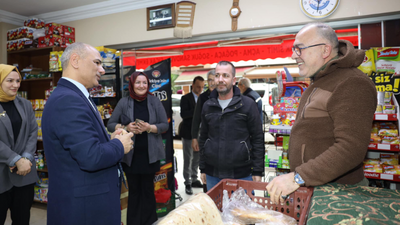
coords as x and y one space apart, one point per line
242 210
199 209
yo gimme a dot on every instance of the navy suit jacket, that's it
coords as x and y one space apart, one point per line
84 187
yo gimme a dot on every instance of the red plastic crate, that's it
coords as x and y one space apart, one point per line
296 206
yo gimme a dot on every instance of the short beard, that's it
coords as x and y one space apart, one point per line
224 92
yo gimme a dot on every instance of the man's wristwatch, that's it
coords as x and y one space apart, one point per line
298 180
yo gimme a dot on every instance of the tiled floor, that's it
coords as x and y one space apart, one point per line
39 212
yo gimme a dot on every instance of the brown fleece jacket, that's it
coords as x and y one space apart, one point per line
330 137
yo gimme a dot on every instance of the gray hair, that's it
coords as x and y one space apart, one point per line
78 48
224 63
245 82
211 72
326 32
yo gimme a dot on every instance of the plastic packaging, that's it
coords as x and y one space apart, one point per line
199 209
242 210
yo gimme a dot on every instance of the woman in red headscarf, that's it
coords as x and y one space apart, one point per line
142 114
18 138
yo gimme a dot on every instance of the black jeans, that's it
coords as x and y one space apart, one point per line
141 199
19 200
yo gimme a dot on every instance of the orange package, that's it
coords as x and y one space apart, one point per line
392 169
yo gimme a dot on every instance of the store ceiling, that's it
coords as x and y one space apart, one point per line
21 7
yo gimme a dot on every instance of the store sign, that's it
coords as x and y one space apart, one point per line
386 82
233 54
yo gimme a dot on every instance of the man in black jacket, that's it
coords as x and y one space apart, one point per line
199 106
245 89
231 138
190 157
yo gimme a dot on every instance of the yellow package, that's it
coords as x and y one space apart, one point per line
59 60
368 65
388 132
392 169
375 138
372 162
53 62
389 159
373 168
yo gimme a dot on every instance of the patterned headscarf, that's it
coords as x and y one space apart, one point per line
4 71
132 81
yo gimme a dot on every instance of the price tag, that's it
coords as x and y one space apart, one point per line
381 117
387 176
384 146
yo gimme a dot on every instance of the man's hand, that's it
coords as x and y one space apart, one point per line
203 178
195 145
119 131
24 166
256 178
281 185
126 141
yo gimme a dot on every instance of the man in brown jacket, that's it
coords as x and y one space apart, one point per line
330 137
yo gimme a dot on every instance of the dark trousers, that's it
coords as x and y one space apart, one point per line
141 199
19 200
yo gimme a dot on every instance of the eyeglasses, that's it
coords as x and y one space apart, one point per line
298 49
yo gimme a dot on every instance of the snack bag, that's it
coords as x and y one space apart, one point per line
59 60
387 59
372 161
373 168
368 65
375 138
53 62
389 159
389 109
392 169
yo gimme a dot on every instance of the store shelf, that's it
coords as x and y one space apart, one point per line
385 117
384 147
37 79
382 176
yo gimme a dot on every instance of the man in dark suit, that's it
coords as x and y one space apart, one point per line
190 157
83 163
245 89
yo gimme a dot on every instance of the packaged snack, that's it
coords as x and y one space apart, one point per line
388 132
34 23
387 97
41 42
387 59
12 34
59 60
375 138
24 43
378 109
389 159
368 65
55 40
391 169
388 139
53 62
54 28
372 161
69 32
25 32
373 168
389 109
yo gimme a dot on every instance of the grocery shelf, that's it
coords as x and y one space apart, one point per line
385 117
384 147
382 176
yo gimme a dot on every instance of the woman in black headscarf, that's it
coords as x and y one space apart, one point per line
18 138
142 114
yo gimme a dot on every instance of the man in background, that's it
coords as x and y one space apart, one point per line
245 89
83 163
330 137
231 139
190 157
199 106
